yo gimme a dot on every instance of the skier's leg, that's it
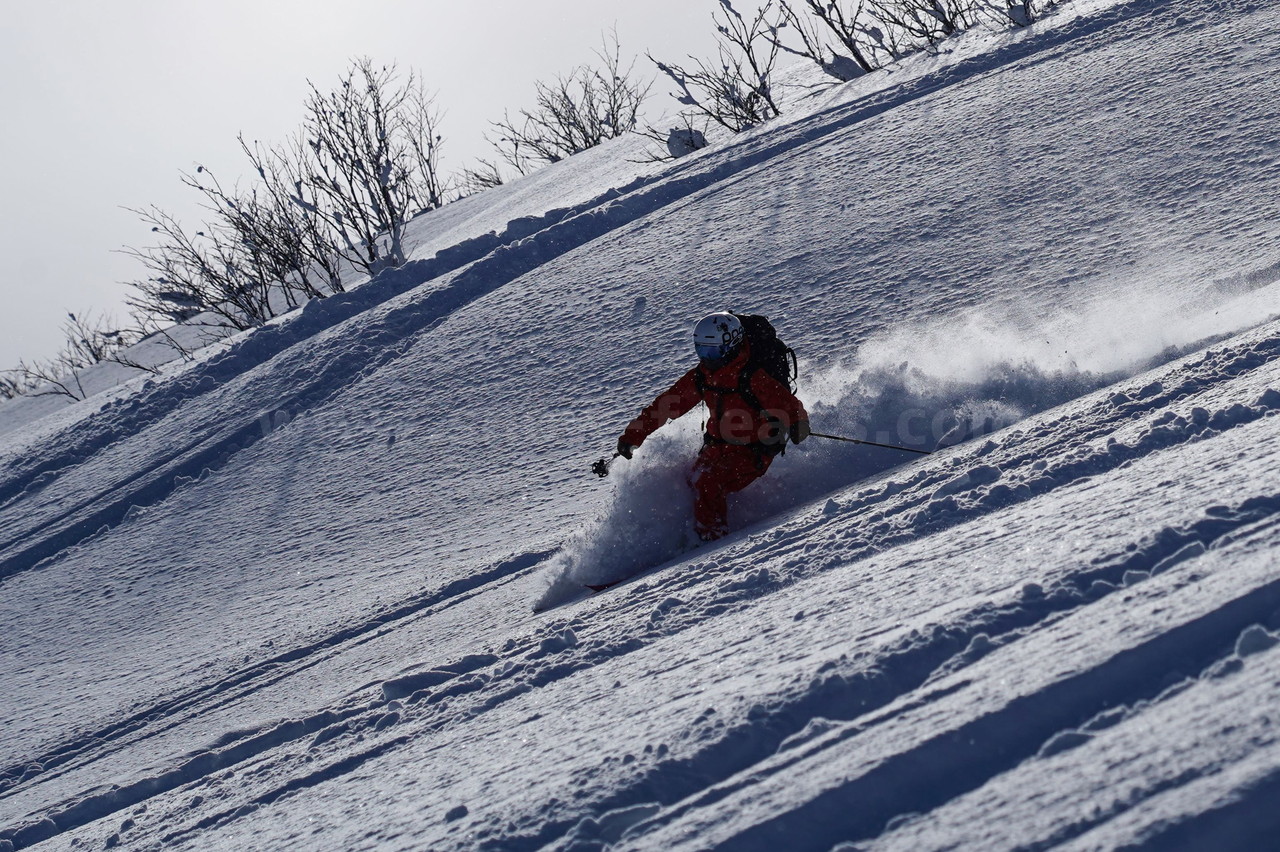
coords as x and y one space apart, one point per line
710 500
721 469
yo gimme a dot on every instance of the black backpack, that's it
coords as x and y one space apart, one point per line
768 353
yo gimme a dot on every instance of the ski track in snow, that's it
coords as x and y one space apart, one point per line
1155 426
1011 643
902 667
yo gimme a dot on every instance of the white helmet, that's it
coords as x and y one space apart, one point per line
717 336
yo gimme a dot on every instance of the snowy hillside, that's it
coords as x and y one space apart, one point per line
283 598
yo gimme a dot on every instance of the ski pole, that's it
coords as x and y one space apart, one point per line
870 444
601 468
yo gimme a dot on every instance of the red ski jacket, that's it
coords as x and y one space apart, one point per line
732 418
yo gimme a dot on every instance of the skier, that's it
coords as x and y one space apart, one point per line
752 414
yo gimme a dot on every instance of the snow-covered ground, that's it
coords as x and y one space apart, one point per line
283 597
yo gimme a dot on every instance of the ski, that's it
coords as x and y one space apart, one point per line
594 589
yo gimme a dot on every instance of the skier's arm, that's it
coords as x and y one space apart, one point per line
677 401
778 400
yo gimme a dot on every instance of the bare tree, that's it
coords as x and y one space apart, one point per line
87 340
1018 13
827 21
337 195
735 90
10 387
207 272
577 111
372 161
295 245
926 22
484 175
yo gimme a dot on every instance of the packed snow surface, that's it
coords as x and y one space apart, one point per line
284 596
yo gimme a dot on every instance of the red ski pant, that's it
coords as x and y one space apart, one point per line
720 470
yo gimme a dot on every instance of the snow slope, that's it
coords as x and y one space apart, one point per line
283 598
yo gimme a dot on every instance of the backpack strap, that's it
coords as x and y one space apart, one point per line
701 382
743 389
749 396
744 386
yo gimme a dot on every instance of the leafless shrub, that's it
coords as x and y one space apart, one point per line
95 340
372 161
278 221
925 22
839 40
90 340
10 387
1017 13
46 378
338 195
87 340
272 244
580 110
847 39
205 272
735 90
484 175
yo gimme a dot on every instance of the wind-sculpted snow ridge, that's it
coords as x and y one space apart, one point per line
237 747
883 770
1231 665
463 274
234 686
29 473
884 736
940 662
306 624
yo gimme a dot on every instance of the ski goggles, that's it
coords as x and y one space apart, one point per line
709 351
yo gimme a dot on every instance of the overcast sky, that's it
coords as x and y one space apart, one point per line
106 102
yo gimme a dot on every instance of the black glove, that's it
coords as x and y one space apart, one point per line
799 431
624 449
